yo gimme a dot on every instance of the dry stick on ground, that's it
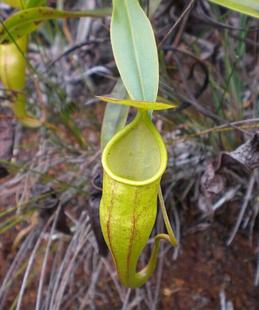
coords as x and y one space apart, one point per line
76 245
72 49
126 302
29 265
88 297
228 195
69 269
57 279
70 297
169 47
186 11
47 177
21 255
181 29
247 198
90 255
45 259
179 33
54 270
221 128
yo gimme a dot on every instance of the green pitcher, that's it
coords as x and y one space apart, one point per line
133 161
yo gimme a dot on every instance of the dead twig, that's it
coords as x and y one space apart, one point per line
247 198
182 16
45 259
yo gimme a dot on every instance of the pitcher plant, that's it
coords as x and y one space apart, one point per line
133 162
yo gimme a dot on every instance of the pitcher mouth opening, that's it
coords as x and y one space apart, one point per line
136 155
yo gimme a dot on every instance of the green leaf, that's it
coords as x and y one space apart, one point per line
134 49
248 7
115 116
145 105
28 20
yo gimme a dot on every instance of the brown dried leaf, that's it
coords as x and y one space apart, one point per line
242 161
211 182
245 157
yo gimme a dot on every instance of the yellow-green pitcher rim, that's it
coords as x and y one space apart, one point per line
161 145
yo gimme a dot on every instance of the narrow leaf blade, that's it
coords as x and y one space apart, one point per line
248 7
134 49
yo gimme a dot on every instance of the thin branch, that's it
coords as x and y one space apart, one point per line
44 264
247 198
187 9
29 266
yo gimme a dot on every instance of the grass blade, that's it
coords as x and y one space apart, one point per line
248 7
